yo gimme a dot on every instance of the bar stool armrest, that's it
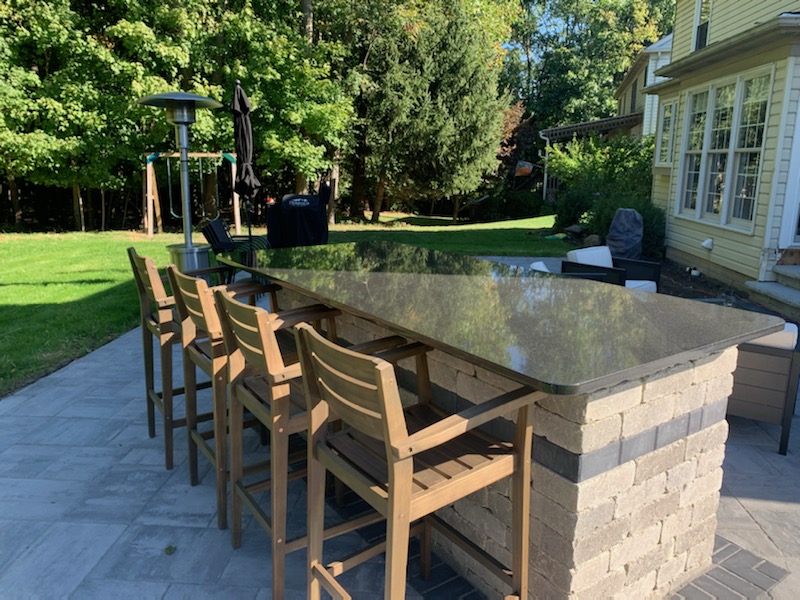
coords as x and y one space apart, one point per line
469 418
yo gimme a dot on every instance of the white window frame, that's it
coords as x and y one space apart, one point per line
725 217
672 105
697 23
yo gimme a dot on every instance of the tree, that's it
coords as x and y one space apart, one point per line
569 55
72 73
424 82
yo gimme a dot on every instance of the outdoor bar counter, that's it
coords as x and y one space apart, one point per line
628 444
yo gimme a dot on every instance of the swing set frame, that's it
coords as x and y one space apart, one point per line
150 199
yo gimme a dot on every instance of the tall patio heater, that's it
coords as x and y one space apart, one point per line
181 113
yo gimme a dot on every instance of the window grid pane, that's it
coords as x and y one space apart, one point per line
715 183
754 113
665 139
692 181
697 120
723 117
744 199
725 131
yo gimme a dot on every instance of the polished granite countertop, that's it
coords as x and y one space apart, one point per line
561 335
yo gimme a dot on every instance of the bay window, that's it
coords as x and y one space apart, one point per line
722 150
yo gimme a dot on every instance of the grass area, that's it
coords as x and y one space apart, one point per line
64 295
520 237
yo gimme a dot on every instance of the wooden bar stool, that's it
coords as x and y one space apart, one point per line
159 323
251 341
203 348
406 463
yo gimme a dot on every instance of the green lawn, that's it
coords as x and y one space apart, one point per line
63 295
521 237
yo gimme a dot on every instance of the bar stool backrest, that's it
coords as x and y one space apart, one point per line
195 301
249 335
360 389
148 282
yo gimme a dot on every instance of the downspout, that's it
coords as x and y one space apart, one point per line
546 156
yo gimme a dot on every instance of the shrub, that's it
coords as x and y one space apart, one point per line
600 176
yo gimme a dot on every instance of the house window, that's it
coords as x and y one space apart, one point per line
703 16
666 134
698 107
633 95
725 127
723 101
749 147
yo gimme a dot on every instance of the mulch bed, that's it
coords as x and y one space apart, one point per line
676 281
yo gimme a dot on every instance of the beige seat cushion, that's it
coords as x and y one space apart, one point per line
599 256
786 339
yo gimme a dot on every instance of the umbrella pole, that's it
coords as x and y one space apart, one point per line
249 232
250 250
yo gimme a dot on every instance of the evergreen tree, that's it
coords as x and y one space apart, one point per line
424 81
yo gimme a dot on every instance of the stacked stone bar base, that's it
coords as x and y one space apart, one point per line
625 483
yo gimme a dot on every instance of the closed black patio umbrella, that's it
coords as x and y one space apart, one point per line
246 184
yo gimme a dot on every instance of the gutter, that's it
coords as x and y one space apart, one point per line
546 156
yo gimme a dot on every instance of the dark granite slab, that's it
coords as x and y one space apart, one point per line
558 334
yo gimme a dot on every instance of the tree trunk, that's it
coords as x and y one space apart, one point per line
157 220
359 187
377 203
77 207
15 206
308 20
456 206
210 208
89 210
102 209
334 183
300 184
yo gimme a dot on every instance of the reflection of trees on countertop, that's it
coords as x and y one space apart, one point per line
570 328
558 331
375 256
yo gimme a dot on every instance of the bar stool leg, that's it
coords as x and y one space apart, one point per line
521 502
316 517
166 396
190 400
237 426
279 474
398 529
149 380
220 438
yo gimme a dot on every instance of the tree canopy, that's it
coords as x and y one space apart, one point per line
568 56
409 96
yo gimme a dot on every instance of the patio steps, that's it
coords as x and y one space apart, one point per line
782 295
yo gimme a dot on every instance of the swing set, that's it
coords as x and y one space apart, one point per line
151 205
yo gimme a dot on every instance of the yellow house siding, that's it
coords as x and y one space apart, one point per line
661 183
683 29
731 17
728 18
743 252
733 251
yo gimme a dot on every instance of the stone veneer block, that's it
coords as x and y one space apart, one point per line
632 516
